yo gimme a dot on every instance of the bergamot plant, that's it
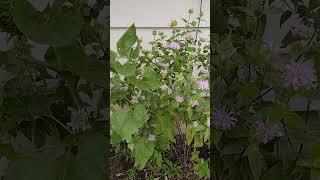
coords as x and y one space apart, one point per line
160 97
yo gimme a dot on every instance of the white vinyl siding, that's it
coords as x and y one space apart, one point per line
150 15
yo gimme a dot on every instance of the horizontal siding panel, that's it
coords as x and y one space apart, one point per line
296 103
154 13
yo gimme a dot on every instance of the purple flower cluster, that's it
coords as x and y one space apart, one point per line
223 119
172 45
300 29
203 85
266 134
179 99
299 74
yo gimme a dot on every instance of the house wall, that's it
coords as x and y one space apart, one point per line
150 15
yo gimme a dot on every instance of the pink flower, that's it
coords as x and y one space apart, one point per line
179 99
204 70
300 29
223 119
163 65
203 85
172 45
299 74
163 71
266 134
194 103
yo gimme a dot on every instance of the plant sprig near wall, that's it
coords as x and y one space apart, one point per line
53 80
160 100
263 64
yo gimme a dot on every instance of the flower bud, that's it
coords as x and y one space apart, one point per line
154 33
173 23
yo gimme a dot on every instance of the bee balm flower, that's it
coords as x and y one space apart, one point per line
223 120
300 29
204 70
172 45
299 74
266 134
203 85
179 99
194 103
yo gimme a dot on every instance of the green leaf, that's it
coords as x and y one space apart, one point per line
88 68
127 69
274 173
125 43
66 167
164 125
127 123
247 93
7 150
10 62
202 169
90 160
237 132
296 48
158 159
149 82
198 140
233 147
314 150
216 136
60 28
286 152
255 160
220 20
225 48
115 138
293 120
28 168
309 163
113 56
143 149
136 51
190 133
117 95
38 103
275 113
206 135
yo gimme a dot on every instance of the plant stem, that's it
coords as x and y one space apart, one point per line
306 121
199 20
57 121
285 130
258 22
30 60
